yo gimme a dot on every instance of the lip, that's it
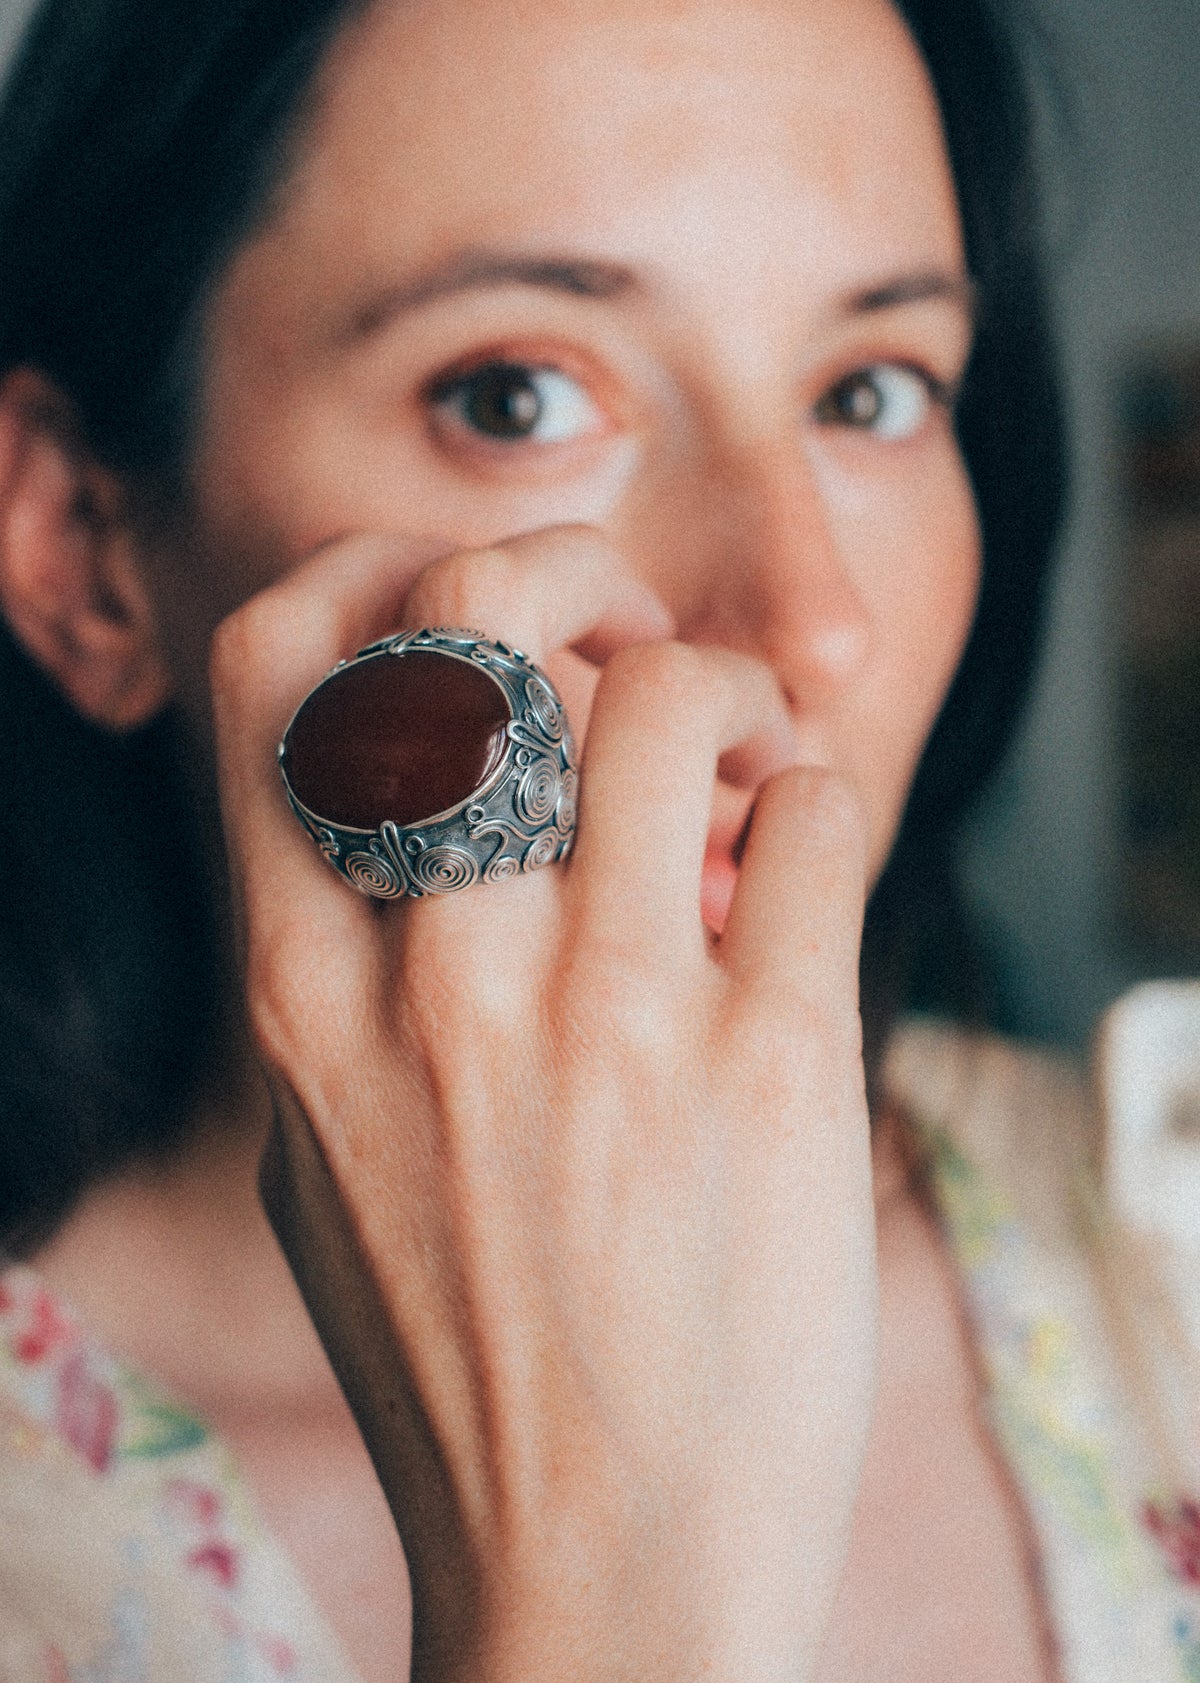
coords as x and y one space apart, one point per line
717 883
722 858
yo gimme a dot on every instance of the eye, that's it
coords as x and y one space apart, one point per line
888 399
513 402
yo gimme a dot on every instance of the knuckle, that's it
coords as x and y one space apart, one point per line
830 807
467 587
614 1004
294 988
257 636
566 550
667 675
448 1005
795 1055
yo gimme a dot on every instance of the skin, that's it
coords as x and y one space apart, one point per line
741 539
703 375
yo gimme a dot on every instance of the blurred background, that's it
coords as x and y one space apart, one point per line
1085 862
1084 865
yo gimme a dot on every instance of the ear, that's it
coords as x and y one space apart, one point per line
71 582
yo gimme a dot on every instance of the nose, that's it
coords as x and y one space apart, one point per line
761 565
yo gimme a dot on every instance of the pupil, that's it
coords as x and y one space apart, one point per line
503 401
861 402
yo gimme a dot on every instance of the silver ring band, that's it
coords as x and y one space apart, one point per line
520 817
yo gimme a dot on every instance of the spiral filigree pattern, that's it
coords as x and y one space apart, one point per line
545 708
502 868
541 850
444 870
521 819
568 802
374 876
537 792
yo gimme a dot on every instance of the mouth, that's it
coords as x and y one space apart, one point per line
717 883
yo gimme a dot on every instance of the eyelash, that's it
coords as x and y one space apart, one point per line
936 393
507 383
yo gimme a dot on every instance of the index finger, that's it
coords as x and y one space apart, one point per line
542 590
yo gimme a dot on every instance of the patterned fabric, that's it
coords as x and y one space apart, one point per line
130 1552
1013 1149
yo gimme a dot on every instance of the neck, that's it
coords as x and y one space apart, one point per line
173 1265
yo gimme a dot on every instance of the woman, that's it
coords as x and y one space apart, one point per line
699 350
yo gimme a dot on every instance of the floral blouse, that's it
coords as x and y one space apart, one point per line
1086 1384
131 1552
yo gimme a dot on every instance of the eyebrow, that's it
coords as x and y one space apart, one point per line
935 285
477 271
597 278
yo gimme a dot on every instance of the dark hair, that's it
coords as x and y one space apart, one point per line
139 142
1012 433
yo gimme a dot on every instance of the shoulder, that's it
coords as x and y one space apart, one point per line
1056 1299
1020 1118
1011 1145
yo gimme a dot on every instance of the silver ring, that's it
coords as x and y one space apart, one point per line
375 775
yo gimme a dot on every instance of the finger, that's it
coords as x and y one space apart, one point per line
662 717
538 591
795 923
265 657
541 591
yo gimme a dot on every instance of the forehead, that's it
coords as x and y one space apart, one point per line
712 134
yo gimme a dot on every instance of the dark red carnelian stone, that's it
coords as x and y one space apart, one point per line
400 737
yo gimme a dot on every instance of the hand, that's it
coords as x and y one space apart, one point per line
578 1195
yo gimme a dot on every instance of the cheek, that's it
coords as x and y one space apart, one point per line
924 599
924 583
268 491
948 603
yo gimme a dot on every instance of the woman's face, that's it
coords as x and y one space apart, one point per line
686 270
